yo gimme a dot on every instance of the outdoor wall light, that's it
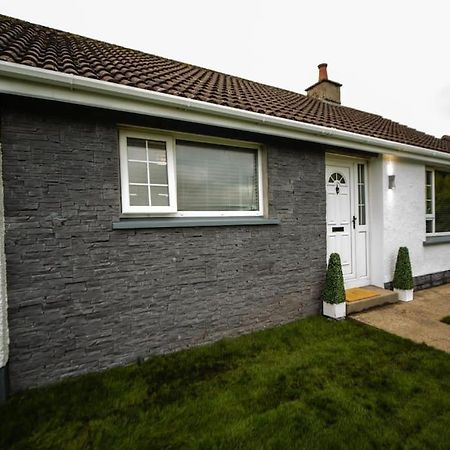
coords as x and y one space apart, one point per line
391 181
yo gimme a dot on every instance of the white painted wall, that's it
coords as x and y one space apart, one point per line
4 336
376 220
404 219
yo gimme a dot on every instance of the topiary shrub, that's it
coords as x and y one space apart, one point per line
403 274
334 291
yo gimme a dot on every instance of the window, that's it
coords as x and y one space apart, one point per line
184 176
437 201
361 194
336 177
147 173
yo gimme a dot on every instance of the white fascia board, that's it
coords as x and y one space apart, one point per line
18 79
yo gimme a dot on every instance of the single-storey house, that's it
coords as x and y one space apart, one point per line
150 205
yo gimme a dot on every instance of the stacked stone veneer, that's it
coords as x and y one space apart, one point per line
427 281
83 297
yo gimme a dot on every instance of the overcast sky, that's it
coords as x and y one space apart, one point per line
392 56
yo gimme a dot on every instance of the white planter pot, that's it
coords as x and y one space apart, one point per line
405 295
334 310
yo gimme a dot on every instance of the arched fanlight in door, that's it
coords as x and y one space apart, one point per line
337 179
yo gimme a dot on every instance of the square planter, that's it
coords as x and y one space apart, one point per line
405 295
334 310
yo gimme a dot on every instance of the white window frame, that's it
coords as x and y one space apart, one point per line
432 216
170 139
170 145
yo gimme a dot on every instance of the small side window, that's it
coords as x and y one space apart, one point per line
361 194
429 201
147 172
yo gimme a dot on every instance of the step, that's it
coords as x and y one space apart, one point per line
383 297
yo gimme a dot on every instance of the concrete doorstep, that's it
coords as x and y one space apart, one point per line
383 297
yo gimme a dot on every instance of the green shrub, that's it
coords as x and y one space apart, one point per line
403 274
334 291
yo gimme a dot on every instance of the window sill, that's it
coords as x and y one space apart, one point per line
434 240
176 222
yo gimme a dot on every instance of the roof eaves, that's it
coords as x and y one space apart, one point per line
42 83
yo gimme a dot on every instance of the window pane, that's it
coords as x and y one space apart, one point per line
361 173
429 207
158 173
361 194
156 151
136 149
429 225
138 195
442 201
216 178
362 215
147 166
429 177
160 195
137 172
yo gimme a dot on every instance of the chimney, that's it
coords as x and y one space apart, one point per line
325 89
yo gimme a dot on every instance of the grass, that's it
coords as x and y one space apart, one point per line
310 384
446 320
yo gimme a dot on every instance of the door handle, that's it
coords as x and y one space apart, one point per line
354 222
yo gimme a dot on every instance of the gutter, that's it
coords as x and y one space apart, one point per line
18 79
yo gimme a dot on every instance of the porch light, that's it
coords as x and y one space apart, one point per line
391 181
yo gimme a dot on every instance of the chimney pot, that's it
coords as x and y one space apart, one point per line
323 75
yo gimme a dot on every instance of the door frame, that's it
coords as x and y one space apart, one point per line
352 163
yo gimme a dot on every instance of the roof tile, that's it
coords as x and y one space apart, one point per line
38 46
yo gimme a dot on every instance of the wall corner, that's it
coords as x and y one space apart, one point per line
4 335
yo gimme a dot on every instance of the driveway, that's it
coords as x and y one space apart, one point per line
418 320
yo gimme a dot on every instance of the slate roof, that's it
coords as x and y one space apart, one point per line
38 46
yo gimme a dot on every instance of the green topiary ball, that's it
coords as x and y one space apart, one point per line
334 291
403 278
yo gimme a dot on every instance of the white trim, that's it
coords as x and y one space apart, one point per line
18 79
170 138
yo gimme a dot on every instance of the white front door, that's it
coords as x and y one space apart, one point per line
347 228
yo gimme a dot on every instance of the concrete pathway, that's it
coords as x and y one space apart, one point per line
418 320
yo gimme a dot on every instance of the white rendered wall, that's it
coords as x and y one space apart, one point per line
404 220
376 220
4 336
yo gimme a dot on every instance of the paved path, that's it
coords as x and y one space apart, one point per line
418 320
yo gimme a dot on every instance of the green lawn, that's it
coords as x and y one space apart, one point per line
310 384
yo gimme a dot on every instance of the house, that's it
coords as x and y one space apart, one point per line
152 205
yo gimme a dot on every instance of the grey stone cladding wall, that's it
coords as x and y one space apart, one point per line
83 297
427 281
